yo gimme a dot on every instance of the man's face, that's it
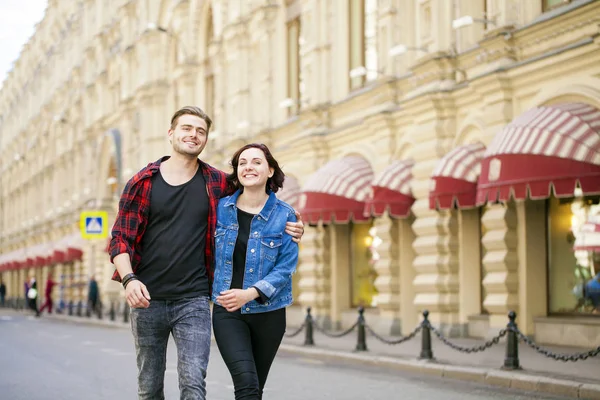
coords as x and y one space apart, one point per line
189 136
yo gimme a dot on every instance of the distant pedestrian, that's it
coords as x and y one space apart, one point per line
93 294
255 260
32 296
2 293
48 303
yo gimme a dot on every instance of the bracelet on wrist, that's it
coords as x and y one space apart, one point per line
128 278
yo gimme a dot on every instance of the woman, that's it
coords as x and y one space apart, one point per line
255 261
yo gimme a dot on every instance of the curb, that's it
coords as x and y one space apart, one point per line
507 379
495 377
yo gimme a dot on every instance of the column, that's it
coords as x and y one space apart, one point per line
532 272
409 315
340 272
388 275
315 272
469 270
500 263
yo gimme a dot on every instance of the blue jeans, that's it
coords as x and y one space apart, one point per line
189 322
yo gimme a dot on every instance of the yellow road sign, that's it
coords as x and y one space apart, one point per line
93 224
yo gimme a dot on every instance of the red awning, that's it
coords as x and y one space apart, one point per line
548 150
290 192
337 191
68 249
391 191
454 181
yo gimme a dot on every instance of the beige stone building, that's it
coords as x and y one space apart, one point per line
446 153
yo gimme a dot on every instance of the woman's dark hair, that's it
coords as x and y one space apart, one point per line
274 183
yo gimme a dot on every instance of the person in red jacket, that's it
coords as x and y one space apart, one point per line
48 301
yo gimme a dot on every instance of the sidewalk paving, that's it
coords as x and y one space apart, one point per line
579 379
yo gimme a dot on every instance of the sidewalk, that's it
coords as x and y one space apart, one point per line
579 379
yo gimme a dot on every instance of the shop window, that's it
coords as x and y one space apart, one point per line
363 257
573 258
552 4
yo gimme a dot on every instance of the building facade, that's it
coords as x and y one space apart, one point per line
445 155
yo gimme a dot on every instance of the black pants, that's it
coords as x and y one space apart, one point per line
248 344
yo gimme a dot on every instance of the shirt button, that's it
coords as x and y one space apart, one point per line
247 309
252 251
267 303
250 270
255 233
271 244
258 218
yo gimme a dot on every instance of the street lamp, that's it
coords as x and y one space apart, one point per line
402 48
467 20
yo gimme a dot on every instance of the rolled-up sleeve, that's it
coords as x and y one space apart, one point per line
127 223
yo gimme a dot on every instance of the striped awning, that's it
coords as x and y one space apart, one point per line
290 191
454 181
547 150
337 191
391 191
68 249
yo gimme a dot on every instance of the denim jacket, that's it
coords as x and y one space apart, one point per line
271 256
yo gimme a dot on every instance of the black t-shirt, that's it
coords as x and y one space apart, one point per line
239 253
173 247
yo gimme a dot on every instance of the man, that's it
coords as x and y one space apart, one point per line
48 295
2 293
162 247
93 295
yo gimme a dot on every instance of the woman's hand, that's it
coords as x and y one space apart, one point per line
234 299
295 229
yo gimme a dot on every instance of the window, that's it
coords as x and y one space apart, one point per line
552 4
362 263
209 77
363 42
294 42
574 255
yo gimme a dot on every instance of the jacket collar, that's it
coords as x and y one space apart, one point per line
266 211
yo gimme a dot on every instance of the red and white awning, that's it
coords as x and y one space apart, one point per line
547 150
391 191
290 191
337 191
68 249
454 181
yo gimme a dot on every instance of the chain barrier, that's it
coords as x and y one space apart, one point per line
559 357
397 341
297 331
475 349
334 335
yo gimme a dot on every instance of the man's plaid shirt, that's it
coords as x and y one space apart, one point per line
134 209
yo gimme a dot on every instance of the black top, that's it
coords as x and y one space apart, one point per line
239 253
173 258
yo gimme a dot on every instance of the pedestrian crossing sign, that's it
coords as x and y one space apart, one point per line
93 224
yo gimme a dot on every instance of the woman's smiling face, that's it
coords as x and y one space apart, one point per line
253 169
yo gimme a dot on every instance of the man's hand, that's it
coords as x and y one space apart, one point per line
295 229
234 299
137 295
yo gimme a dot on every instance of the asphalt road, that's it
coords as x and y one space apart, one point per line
43 359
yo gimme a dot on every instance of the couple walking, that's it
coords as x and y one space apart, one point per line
187 233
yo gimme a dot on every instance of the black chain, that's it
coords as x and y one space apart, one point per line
474 349
296 332
334 335
559 357
397 341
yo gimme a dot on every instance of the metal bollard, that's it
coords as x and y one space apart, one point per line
361 344
112 312
308 336
88 311
100 310
126 313
426 352
79 308
511 360
70 308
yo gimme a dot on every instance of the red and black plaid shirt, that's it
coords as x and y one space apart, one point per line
134 209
